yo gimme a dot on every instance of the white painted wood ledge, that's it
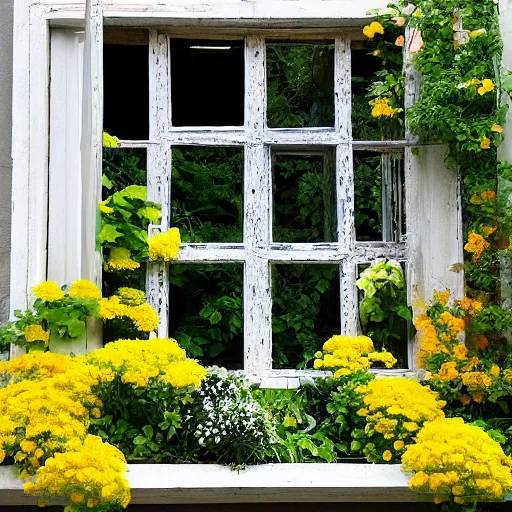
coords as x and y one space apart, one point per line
268 483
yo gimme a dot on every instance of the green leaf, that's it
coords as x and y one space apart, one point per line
215 318
135 192
148 431
151 213
105 182
109 233
140 440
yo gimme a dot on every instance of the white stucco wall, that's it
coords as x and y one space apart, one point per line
6 11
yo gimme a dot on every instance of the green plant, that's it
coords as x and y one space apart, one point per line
383 309
125 216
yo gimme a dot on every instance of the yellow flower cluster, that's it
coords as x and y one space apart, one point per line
48 291
486 86
83 289
373 28
476 245
454 460
429 343
139 362
36 333
120 259
35 366
396 408
470 306
144 317
476 380
131 296
348 354
109 141
381 107
89 473
454 324
164 246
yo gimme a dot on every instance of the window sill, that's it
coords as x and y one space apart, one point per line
285 483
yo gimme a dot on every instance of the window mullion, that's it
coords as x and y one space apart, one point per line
92 138
257 230
159 166
345 184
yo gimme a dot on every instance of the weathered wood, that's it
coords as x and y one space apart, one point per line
92 139
159 169
285 483
65 187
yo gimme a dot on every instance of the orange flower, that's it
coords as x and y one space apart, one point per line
488 195
481 342
400 40
478 397
465 400
476 245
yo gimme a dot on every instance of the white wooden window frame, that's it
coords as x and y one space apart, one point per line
432 206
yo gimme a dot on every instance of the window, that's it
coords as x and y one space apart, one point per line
187 111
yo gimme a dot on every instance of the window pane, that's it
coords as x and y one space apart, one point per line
380 318
305 312
365 126
300 82
304 196
123 167
379 196
206 312
207 195
207 83
126 91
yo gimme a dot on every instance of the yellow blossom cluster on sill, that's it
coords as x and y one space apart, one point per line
457 461
348 354
46 409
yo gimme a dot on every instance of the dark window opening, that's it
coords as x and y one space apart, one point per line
206 312
207 83
305 312
126 91
300 83
304 196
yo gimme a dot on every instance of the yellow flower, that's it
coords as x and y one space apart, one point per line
400 41
398 445
48 291
488 230
442 297
131 296
164 246
460 352
110 141
377 53
374 28
496 128
381 107
28 446
103 208
495 370
475 33
120 259
76 497
83 289
36 333
318 364
485 143
418 13
387 455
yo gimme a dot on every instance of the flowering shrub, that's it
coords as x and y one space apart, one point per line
164 246
89 473
229 423
395 410
347 354
458 461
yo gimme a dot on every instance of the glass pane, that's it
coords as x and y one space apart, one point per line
365 126
304 197
126 91
206 312
300 82
305 312
207 83
207 195
123 167
379 196
379 314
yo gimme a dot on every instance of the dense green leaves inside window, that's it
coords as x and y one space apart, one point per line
304 196
305 312
206 312
300 82
207 195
